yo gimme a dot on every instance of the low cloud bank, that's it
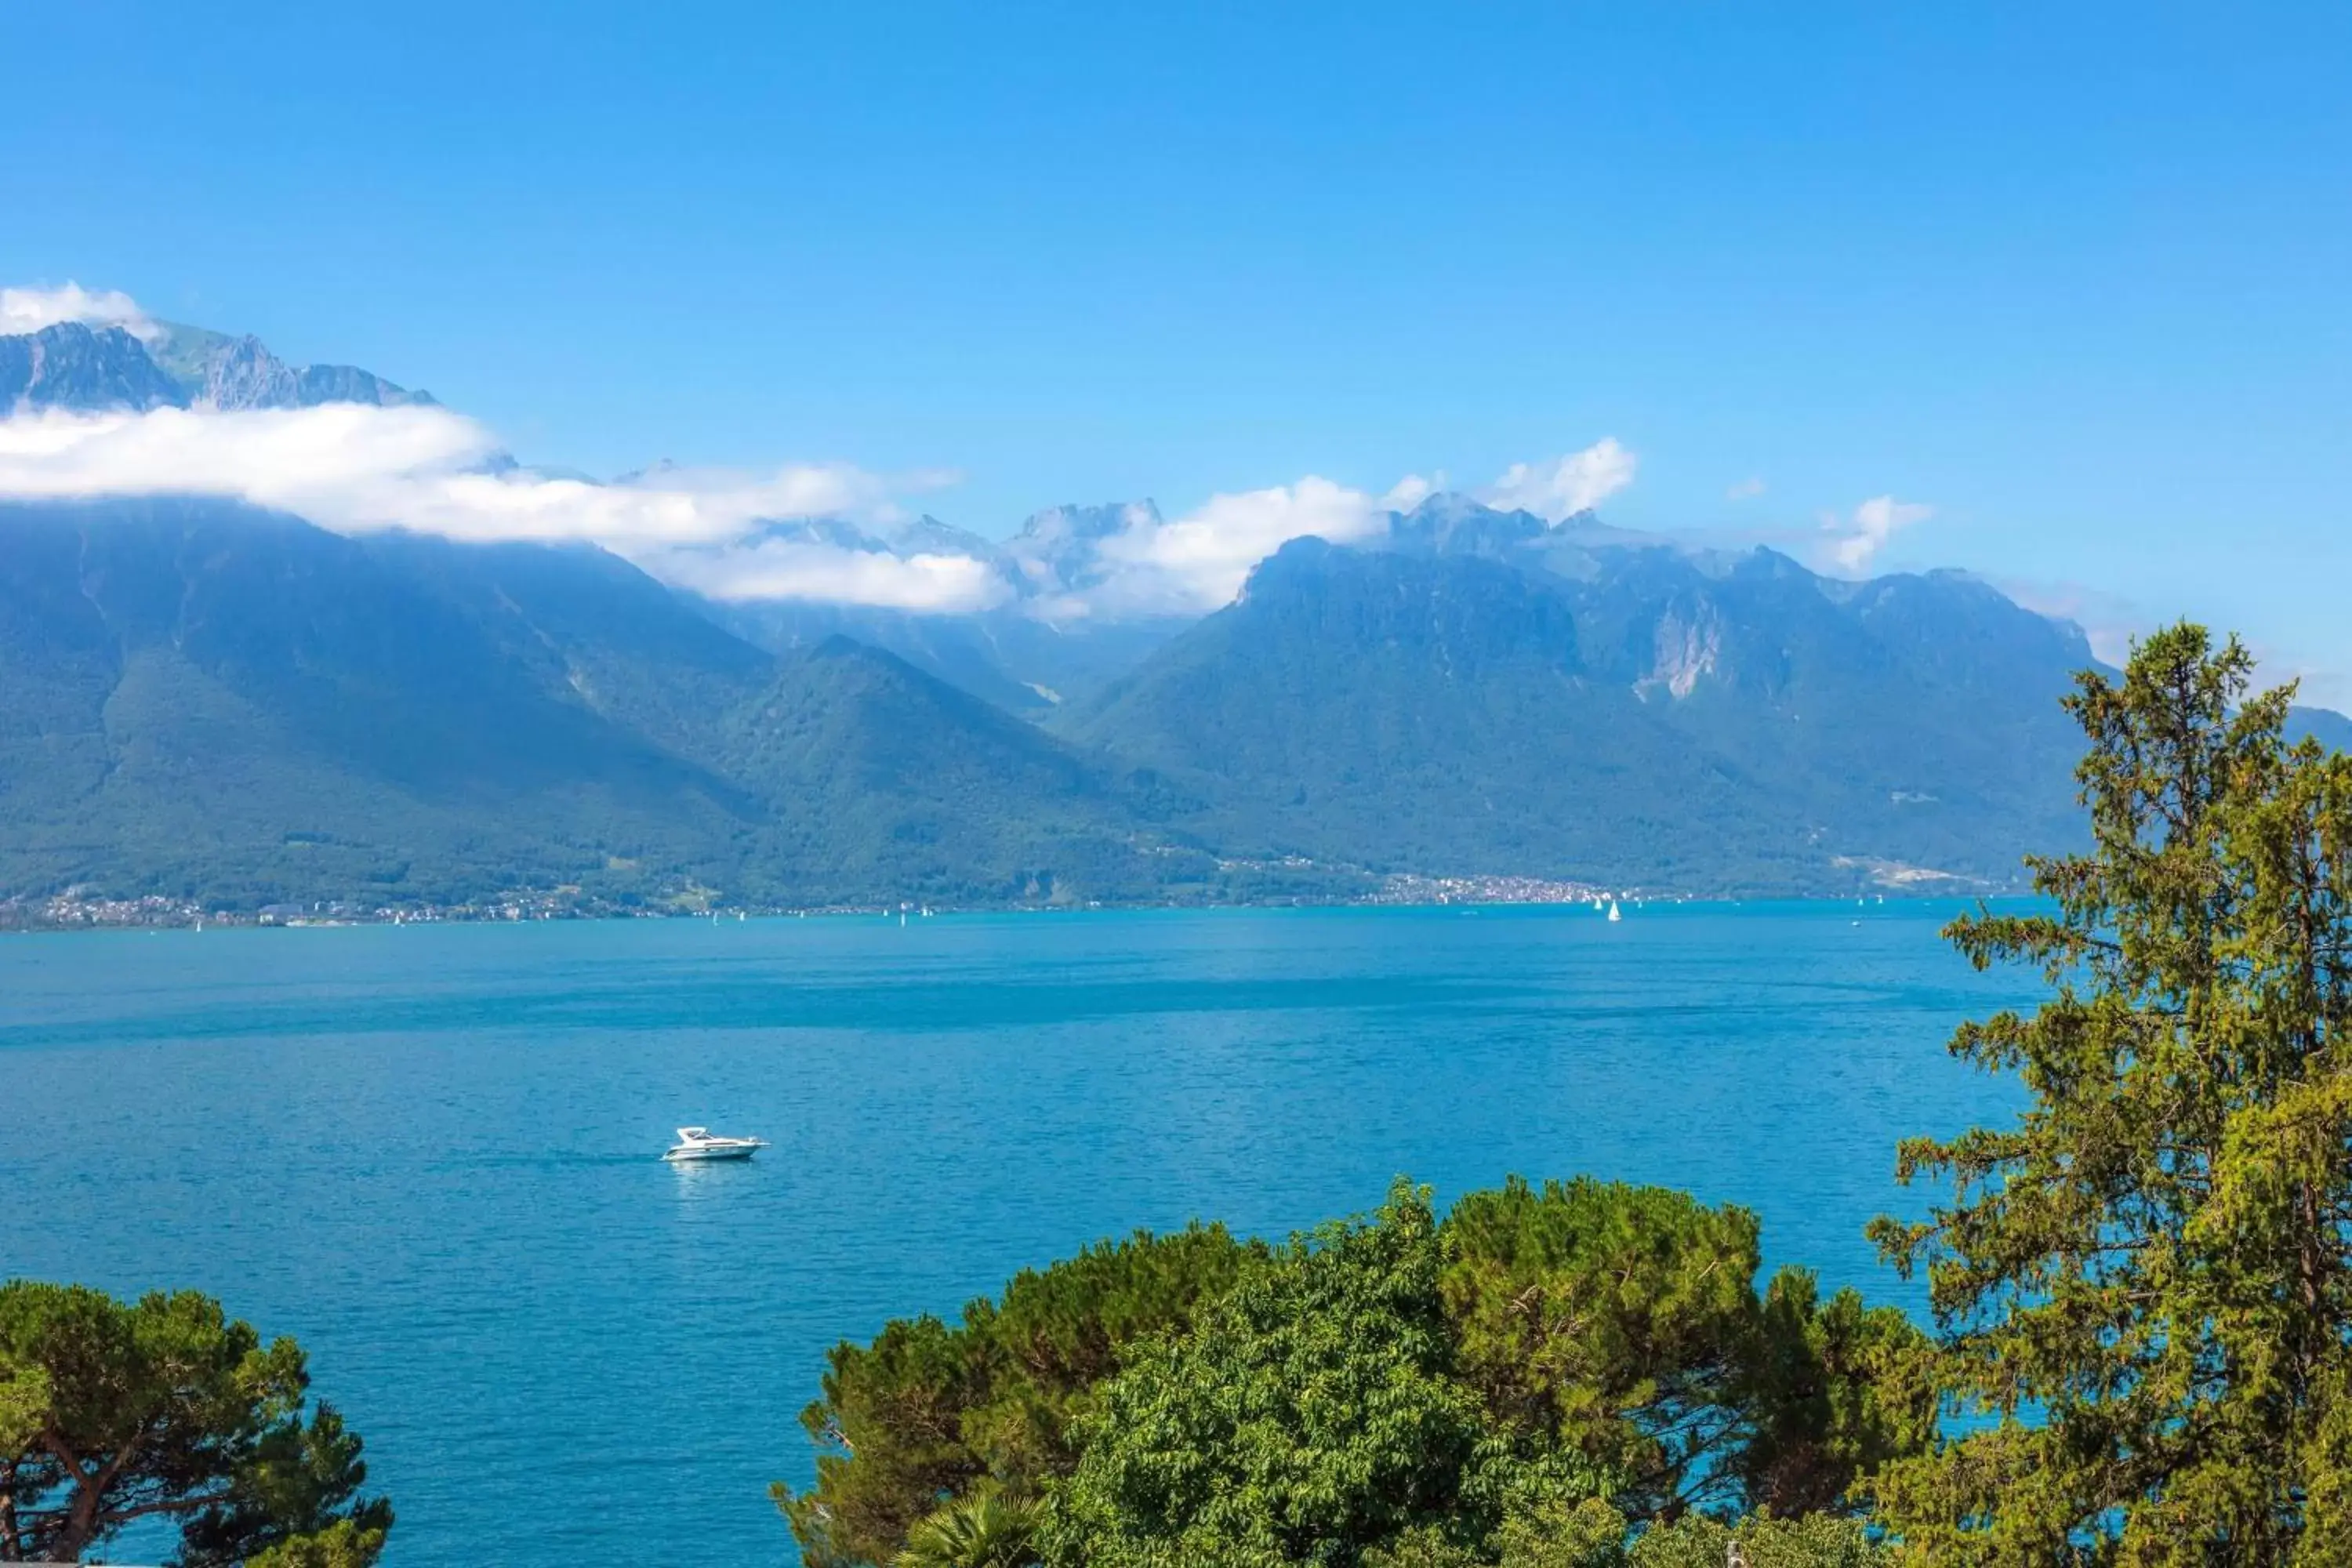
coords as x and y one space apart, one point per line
356 468
768 569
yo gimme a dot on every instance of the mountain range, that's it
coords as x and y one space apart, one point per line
205 699
85 368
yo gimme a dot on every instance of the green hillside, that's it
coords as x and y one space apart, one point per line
208 703
1653 723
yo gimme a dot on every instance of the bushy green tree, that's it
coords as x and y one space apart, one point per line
929 1410
1818 1540
1391 1392
1554 1532
1594 1535
984 1529
112 1411
1310 1414
2144 1288
1624 1322
343 1544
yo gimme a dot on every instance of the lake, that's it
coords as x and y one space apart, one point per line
431 1152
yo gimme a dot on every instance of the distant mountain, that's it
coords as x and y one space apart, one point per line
1659 720
1006 656
2330 729
76 367
902 783
1020 655
88 369
244 707
207 701
200 700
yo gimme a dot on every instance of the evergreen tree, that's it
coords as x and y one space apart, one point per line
2144 1288
113 1411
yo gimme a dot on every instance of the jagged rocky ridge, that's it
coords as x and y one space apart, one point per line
87 369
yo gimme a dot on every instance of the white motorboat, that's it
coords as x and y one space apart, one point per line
701 1143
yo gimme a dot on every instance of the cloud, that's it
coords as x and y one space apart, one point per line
356 468
1859 538
1197 563
1745 490
30 310
1559 487
832 573
1410 491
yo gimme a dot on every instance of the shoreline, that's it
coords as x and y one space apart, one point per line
1468 893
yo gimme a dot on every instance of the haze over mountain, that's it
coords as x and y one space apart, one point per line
802 697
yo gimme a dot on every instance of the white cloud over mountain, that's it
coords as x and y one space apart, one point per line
1857 540
27 309
1196 563
795 569
356 467
1559 487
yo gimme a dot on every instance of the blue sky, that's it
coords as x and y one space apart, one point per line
2074 277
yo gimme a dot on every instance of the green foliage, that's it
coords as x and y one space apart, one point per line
928 1409
2144 1288
1594 1536
986 1530
1309 1414
1590 1534
1696 1542
1624 1322
1527 1384
343 1544
112 1411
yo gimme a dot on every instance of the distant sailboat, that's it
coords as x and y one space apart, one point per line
1613 913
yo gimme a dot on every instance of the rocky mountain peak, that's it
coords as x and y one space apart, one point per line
85 368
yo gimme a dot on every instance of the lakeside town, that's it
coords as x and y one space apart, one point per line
79 910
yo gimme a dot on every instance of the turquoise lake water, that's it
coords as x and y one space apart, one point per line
431 1154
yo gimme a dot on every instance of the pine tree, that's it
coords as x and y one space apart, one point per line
2143 1289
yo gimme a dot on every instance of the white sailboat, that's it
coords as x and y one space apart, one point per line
1614 913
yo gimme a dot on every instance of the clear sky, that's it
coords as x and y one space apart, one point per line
2075 276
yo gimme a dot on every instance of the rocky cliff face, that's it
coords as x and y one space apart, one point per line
88 369
75 366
